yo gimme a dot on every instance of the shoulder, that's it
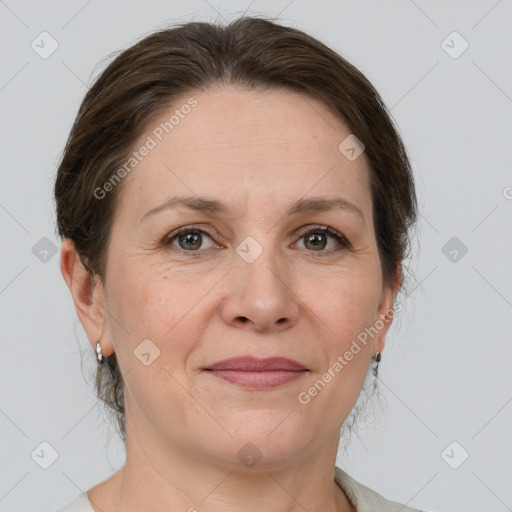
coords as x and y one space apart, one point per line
79 504
364 498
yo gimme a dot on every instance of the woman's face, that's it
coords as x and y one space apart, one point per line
254 276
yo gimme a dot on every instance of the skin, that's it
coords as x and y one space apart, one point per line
258 152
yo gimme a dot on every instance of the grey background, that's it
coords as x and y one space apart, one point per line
445 372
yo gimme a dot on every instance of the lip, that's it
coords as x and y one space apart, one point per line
254 364
257 373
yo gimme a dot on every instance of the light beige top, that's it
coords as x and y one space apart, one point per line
363 498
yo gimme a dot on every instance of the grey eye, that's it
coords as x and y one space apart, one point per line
316 240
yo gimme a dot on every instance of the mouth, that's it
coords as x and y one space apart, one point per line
251 372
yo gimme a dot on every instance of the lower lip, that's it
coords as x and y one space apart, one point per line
258 379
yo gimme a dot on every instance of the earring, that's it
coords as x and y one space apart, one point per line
99 355
377 357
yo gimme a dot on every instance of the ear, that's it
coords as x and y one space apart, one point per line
386 311
88 297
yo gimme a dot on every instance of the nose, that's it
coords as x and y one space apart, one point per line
259 298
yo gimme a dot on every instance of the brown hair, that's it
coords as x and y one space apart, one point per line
250 52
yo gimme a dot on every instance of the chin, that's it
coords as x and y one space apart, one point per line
261 440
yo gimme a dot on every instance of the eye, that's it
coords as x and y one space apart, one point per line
192 240
188 239
317 239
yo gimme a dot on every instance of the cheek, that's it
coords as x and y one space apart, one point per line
148 302
156 339
170 311
345 310
346 303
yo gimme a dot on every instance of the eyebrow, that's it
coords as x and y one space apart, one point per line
304 205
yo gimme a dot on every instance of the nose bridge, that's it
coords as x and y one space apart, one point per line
260 270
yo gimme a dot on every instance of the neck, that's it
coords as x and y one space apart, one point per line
171 478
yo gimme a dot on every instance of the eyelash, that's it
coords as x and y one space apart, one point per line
342 240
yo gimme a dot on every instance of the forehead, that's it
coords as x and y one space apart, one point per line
246 145
241 122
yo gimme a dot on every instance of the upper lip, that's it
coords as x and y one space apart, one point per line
254 364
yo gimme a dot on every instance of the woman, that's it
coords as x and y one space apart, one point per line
234 204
